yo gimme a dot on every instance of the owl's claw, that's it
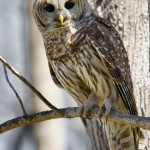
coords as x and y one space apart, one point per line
87 106
106 108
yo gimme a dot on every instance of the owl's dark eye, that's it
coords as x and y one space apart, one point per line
69 5
49 8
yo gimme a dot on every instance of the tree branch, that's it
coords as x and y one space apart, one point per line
136 121
16 73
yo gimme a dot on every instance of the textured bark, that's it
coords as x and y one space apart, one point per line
131 19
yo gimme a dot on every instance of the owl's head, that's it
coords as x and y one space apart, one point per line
55 14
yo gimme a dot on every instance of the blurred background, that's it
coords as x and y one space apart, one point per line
22 46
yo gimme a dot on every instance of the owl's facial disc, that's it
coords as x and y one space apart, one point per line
59 13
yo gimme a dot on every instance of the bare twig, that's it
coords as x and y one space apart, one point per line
16 73
11 86
136 121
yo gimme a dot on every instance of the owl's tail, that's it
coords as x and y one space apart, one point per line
122 136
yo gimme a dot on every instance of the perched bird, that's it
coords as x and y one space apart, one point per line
87 58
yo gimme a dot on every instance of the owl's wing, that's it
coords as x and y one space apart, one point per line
107 42
56 81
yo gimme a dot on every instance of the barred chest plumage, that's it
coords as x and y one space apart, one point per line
78 67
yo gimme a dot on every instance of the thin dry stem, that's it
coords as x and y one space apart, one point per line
14 90
16 73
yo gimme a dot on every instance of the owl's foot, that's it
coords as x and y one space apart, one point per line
106 108
88 105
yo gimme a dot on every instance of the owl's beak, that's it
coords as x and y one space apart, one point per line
61 18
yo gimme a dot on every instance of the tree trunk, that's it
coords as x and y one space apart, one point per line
132 20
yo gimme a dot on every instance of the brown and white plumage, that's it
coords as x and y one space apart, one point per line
86 57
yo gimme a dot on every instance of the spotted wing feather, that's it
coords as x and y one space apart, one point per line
105 40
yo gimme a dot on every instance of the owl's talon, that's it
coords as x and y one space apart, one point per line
106 108
85 109
87 106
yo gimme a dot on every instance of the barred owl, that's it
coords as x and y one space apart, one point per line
87 58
